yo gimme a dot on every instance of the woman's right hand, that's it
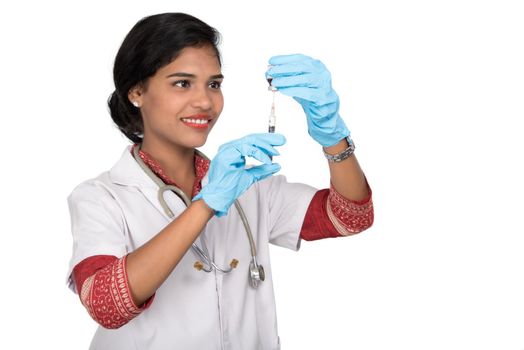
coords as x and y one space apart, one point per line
228 176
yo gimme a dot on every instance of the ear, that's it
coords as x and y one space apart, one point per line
135 96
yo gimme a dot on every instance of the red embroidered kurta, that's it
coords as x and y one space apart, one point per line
101 280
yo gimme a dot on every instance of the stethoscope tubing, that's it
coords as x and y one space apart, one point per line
162 187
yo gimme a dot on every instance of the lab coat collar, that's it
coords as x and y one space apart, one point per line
127 172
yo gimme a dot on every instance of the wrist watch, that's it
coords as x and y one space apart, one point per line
335 158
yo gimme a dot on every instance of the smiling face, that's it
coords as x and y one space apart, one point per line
181 103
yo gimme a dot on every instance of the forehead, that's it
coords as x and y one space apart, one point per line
194 60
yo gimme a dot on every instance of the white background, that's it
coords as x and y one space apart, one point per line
433 94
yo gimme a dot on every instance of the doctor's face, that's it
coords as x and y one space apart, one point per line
181 103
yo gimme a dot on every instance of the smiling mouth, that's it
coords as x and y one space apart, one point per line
198 123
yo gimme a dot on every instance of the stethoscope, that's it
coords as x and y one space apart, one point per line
256 271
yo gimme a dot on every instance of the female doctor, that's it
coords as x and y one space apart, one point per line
156 274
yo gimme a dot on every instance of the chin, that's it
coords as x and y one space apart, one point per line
197 142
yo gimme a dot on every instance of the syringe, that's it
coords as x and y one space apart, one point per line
272 115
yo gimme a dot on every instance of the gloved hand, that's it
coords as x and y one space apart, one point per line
228 177
309 82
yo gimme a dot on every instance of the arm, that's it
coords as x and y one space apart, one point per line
349 200
103 288
114 291
150 265
309 82
347 176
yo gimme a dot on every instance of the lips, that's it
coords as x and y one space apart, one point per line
198 121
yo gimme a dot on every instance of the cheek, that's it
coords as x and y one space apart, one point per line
219 103
162 105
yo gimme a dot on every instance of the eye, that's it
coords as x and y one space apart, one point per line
182 83
215 84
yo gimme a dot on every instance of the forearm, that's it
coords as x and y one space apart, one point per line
150 265
346 176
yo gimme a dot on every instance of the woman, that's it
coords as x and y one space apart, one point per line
132 264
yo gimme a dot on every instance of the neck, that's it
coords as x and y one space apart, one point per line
177 162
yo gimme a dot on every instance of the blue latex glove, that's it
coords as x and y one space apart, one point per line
309 82
228 177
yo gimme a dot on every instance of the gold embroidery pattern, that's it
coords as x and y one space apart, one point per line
347 216
107 298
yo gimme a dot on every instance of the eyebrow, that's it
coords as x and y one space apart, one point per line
189 75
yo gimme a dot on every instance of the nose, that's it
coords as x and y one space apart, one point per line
202 99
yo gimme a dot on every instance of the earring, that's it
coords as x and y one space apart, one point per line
135 103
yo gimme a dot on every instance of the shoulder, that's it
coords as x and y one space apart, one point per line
105 183
93 189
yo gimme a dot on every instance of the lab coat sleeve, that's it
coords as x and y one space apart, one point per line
97 224
287 204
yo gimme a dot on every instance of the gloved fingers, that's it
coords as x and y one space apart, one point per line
262 144
288 70
264 141
274 139
302 80
228 156
253 144
253 151
258 149
297 68
305 95
264 147
301 93
283 59
260 172
292 65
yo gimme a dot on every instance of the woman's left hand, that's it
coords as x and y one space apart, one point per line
228 175
309 82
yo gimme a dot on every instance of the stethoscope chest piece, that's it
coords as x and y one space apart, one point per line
256 274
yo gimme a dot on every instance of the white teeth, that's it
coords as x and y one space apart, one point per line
195 121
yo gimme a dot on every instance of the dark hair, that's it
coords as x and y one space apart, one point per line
152 43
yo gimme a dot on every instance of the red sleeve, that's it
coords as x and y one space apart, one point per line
316 222
331 215
88 267
103 288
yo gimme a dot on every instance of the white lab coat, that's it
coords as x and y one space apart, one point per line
118 211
